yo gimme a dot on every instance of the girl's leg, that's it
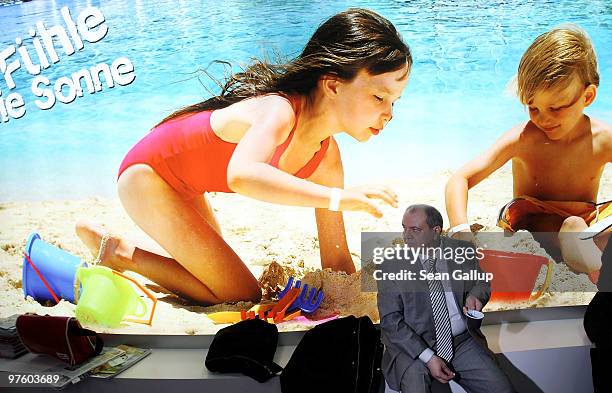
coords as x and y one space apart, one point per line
120 255
203 207
581 255
204 267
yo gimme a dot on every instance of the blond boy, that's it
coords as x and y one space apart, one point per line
558 156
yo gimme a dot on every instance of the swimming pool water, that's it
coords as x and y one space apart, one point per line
455 104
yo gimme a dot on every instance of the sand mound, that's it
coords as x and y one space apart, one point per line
566 287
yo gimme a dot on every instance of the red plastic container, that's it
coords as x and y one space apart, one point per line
515 274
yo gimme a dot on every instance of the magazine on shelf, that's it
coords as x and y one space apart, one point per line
79 372
128 357
109 363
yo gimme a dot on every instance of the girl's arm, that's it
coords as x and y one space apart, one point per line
250 174
330 225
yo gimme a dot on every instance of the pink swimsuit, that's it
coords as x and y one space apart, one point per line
193 160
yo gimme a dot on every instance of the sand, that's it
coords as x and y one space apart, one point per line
275 242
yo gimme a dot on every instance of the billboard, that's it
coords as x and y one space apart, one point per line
83 82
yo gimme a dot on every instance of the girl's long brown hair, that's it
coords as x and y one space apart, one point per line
344 44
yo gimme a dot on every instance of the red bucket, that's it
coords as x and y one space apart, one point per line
515 274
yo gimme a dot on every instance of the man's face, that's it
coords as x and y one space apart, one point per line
417 233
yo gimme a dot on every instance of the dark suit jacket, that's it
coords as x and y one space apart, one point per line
406 316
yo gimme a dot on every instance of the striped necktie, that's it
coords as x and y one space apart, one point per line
444 334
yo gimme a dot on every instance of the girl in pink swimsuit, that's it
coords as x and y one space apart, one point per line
179 149
268 135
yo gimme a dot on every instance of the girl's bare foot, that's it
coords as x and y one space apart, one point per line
116 254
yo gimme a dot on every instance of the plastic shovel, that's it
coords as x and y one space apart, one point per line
289 285
225 317
261 311
306 301
278 311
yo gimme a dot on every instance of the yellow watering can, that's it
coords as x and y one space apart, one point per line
108 298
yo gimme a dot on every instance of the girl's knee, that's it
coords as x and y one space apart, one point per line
252 291
245 289
256 295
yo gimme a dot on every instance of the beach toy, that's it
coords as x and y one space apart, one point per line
225 317
278 311
302 320
306 300
515 274
282 311
293 315
108 298
48 271
237 316
289 285
262 308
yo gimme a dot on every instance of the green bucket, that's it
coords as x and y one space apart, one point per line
108 298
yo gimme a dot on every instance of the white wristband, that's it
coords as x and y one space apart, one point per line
334 199
458 228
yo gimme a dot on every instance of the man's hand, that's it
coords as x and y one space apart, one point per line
439 370
472 303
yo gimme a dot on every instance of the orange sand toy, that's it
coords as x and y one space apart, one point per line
273 313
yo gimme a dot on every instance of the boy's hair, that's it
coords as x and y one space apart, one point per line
554 58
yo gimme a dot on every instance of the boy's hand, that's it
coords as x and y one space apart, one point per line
439 370
362 198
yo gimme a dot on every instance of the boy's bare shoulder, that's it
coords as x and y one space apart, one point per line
530 133
524 133
602 137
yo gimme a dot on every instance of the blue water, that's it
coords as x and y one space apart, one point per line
455 105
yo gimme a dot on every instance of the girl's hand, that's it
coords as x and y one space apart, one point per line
361 198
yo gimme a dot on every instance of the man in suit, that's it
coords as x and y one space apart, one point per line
424 327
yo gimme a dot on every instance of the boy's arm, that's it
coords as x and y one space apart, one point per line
477 170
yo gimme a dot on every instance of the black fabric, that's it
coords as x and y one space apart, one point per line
597 324
597 320
342 355
246 347
601 362
596 317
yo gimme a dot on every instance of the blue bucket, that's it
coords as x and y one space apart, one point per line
56 266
